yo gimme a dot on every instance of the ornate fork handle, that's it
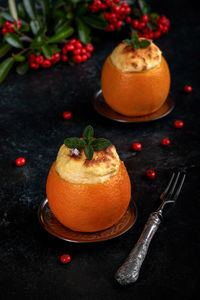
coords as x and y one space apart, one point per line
129 271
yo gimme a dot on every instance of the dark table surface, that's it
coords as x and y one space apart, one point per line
31 126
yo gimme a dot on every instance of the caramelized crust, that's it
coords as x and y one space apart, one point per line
127 59
73 166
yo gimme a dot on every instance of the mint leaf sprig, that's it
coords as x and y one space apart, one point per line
135 42
88 143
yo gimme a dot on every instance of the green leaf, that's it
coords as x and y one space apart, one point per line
153 16
5 67
22 68
61 25
1 21
4 49
83 32
57 13
74 143
35 26
30 8
19 58
88 132
101 144
145 8
21 10
144 44
13 9
46 8
89 151
25 28
60 35
37 42
95 21
81 9
13 40
47 51
5 14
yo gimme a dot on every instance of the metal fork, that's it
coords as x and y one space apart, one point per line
129 271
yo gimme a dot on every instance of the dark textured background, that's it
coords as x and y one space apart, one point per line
31 126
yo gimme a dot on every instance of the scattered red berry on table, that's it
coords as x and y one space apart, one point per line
65 258
67 115
165 142
20 161
136 146
150 174
178 124
188 88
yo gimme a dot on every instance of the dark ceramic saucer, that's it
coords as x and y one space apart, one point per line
54 227
103 109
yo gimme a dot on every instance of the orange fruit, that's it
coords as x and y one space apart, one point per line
89 207
135 93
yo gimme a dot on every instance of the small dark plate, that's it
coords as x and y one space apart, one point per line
103 109
54 227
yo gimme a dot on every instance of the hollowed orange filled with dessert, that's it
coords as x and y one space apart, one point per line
135 82
88 190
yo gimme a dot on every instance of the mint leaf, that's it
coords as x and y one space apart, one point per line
89 151
128 42
74 142
101 144
88 132
144 44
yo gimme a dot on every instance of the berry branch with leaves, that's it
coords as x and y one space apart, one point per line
39 34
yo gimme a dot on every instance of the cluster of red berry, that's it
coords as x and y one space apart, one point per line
162 23
10 27
79 52
117 15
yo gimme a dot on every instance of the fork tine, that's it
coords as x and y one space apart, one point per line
168 186
173 187
179 188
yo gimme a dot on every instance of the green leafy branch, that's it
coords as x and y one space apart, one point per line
88 143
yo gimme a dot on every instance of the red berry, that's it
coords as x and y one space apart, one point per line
115 9
97 3
20 161
178 124
67 115
32 56
127 10
70 47
4 30
76 51
34 65
89 48
39 59
124 4
188 88
84 57
109 2
110 27
77 59
128 20
46 63
141 25
56 58
117 1
165 142
103 6
64 58
118 24
136 146
72 41
78 45
65 258
6 23
145 19
151 174
83 51
122 10
165 29
157 34
135 24
88 55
